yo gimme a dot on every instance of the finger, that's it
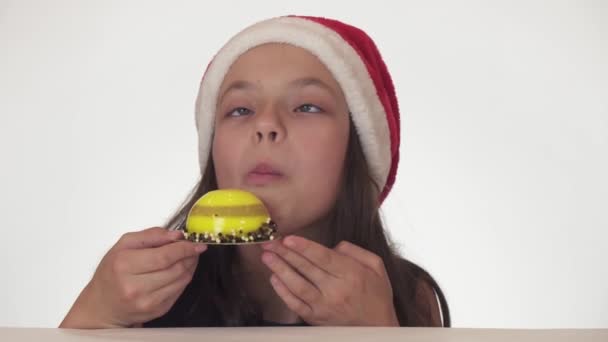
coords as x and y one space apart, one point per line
365 257
302 265
296 284
293 303
155 259
327 259
150 282
162 299
149 238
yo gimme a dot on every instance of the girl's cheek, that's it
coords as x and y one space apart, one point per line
224 153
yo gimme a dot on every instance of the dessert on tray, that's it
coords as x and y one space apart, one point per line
229 216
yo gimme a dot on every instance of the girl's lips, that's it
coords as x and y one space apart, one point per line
254 178
263 174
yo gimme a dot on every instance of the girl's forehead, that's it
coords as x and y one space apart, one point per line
277 60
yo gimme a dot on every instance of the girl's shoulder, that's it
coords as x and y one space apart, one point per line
427 295
428 301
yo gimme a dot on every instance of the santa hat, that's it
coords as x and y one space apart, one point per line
354 61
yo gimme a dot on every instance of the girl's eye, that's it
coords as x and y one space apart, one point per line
309 108
240 111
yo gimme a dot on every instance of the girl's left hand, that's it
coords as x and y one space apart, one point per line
344 286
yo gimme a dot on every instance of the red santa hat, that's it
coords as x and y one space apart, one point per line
354 61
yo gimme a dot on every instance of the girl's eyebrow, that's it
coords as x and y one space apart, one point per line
311 81
237 85
297 83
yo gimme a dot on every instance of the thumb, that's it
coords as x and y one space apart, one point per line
149 238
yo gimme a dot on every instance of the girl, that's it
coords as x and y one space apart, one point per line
302 112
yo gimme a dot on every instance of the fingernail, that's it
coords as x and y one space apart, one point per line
288 241
273 279
200 248
176 234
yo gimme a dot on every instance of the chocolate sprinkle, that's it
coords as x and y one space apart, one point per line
266 232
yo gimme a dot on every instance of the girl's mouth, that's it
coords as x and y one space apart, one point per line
263 174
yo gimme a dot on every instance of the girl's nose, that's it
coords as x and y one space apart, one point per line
270 135
269 127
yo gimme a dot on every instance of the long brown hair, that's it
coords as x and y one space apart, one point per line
213 298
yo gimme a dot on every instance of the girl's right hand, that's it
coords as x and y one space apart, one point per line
139 279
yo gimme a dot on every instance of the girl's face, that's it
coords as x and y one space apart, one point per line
281 132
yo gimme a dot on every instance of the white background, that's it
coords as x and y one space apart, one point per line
501 194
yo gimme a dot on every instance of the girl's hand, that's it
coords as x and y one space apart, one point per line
344 286
139 279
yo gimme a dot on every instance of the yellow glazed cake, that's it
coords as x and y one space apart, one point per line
229 216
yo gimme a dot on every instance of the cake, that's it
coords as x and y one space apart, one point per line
229 216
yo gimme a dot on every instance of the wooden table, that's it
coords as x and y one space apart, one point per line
294 334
